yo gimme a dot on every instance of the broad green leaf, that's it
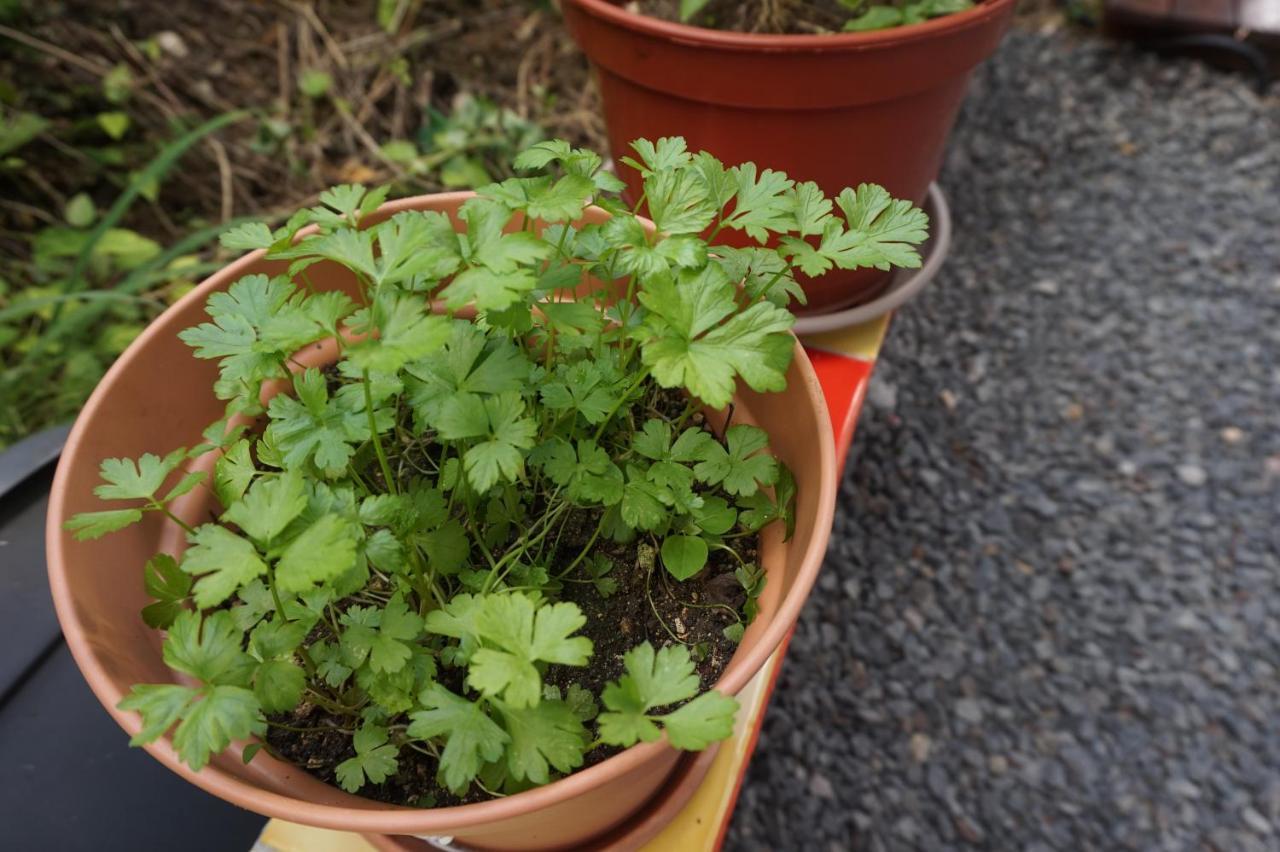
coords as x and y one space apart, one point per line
515 634
136 480
232 473
161 706
221 715
752 345
278 685
223 561
269 506
319 554
169 586
546 736
703 721
247 237
208 649
91 525
375 759
739 470
407 331
488 290
471 737
684 555
764 202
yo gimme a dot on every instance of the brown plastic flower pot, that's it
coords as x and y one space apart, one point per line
158 396
837 109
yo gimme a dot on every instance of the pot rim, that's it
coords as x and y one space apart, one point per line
705 37
379 818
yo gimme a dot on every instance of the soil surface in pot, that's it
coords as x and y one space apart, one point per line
635 601
697 612
792 17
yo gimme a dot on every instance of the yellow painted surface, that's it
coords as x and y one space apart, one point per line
281 836
861 341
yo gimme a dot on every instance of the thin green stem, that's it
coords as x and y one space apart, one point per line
640 377
275 595
157 505
587 549
373 432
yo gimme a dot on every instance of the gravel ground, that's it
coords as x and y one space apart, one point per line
1050 615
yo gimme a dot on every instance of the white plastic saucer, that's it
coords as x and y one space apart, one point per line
904 284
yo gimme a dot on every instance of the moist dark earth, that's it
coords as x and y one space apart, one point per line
640 603
1050 613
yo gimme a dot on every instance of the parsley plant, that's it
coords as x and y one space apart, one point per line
390 547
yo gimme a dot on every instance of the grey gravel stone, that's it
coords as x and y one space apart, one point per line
1057 548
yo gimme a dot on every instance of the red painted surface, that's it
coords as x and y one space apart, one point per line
844 382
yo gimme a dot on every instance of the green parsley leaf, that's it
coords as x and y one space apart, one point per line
764 202
375 759
223 714
232 473
547 735
500 458
209 649
319 554
407 331
471 737
738 469
703 721
278 685
654 680
223 561
90 525
161 706
136 480
169 586
516 633
269 506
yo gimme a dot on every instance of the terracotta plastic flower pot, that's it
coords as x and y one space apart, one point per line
158 396
837 109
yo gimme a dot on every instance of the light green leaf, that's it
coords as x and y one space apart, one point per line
321 553
91 525
136 480
80 211
471 737
161 706
269 506
169 586
210 649
548 735
375 759
703 721
278 685
115 124
684 555
223 561
223 714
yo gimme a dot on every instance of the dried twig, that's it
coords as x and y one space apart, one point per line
224 178
81 62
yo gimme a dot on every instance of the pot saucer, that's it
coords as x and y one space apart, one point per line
904 284
689 773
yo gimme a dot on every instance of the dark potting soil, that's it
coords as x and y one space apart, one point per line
640 603
792 17
757 16
646 605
